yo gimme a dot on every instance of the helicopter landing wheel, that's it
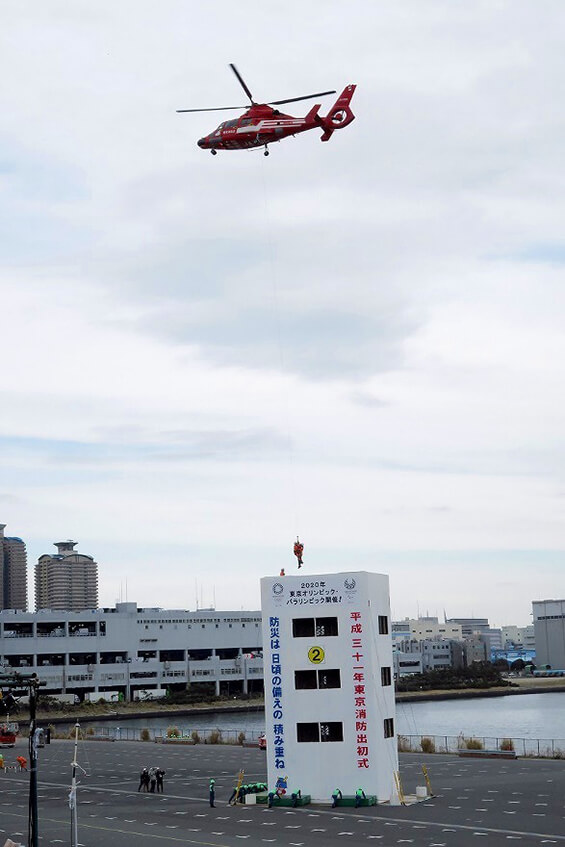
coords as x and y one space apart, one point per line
266 153
214 152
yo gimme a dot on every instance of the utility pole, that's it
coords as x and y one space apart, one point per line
32 684
73 793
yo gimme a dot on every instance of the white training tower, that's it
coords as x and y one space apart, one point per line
329 688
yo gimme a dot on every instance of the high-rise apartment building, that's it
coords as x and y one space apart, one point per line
68 580
13 572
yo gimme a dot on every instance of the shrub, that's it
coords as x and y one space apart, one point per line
145 735
241 738
403 744
195 737
54 731
173 732
507 744
476 675
473 744
428 745
215 737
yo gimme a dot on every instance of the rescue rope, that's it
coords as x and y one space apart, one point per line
293 487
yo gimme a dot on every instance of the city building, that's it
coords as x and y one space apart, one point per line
406 657
439 654
528 636
13 572
493 638
479 628
329 693
513 655
476 649
418 655
424 628
400 630
549 628
67 580
518 636
471 626
127 650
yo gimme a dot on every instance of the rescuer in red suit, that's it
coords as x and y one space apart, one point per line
298 550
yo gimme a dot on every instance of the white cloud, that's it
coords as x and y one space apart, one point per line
360 341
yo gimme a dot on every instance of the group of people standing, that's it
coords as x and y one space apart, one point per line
151 780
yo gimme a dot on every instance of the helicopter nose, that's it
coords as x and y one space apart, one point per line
202 142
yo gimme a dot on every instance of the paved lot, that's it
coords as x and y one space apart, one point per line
496 801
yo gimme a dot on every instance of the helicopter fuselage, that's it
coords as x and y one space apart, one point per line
260 125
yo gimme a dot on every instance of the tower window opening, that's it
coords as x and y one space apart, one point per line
331 731
307 732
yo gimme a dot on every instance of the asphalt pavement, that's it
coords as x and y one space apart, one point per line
497 801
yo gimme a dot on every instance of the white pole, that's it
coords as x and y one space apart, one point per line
73 793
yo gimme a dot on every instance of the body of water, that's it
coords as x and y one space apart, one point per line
519 716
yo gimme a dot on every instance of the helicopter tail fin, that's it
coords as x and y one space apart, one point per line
340 114
314 116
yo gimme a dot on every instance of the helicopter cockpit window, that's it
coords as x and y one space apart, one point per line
230 124
247 121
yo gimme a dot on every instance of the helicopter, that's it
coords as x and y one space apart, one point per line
261 124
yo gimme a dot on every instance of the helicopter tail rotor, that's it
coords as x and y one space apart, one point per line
340 114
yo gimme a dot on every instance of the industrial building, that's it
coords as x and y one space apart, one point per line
127 650
549 627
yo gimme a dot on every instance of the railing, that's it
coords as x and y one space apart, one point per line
206 736
51 635
18 635
549 748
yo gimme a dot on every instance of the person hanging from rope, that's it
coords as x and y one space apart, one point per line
298 550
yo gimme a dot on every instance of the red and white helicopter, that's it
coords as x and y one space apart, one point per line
261 125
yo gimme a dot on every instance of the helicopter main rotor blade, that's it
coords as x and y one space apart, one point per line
241 82
215 109
296 99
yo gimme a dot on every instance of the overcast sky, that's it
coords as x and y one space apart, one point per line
360 342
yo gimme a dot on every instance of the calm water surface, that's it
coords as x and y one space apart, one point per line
523 716
518 716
